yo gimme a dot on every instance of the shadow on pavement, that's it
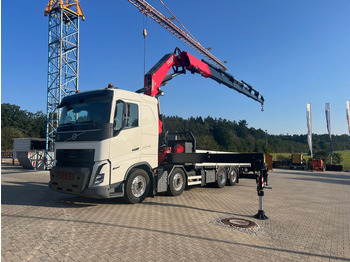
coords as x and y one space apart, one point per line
335 175
33 194
9 169
194 208
323 180
39 194
233 243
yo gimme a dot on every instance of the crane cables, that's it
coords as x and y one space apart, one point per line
148 10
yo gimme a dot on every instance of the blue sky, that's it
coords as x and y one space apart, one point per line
294 52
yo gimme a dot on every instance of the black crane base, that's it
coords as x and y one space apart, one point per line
261 215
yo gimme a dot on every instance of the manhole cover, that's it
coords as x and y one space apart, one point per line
238 222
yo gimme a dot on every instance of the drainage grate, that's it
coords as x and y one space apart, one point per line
238 222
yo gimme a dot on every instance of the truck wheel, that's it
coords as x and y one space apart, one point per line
232 176
221 177
177 182
137 186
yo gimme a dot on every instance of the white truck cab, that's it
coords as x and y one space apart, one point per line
102 135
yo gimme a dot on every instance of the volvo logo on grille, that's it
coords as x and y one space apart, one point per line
74 136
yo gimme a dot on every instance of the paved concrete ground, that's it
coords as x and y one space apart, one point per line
309 221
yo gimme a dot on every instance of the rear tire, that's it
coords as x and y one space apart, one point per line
137 186
177 182
221 177
232 176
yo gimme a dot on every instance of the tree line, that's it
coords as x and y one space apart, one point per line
226 135
211 133
18 123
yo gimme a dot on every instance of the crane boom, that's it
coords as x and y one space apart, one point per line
182 61
148 10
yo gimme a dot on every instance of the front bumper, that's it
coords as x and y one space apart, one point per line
70 180
75 180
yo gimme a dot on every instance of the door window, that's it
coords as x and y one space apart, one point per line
132 115
126 116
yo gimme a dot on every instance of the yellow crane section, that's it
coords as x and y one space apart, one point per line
69 5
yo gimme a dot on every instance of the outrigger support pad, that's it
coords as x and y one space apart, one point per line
261 215
260 188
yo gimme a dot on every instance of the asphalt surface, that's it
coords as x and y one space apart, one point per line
309 220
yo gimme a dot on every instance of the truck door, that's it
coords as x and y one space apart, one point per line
126 141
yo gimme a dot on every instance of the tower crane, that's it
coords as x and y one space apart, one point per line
63 62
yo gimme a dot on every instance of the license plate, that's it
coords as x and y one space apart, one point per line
65 175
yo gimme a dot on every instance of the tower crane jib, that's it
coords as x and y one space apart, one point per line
148 10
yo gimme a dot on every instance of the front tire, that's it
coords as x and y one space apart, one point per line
137 186
177 182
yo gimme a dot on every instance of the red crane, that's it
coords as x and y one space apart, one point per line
181 62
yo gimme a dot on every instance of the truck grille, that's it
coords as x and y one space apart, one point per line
75 157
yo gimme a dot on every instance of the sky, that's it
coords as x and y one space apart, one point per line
293 52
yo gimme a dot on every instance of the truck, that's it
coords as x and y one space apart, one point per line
113 143
297 162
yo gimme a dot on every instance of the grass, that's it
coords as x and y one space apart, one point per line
344 153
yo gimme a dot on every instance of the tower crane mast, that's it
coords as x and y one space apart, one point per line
63 63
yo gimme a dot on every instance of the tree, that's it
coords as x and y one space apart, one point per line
337 158
7 136
325 155
17 123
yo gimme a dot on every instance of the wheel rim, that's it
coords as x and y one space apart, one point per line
222 177
233 175
178 182
138 186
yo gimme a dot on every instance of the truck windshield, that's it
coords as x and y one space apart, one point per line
86 112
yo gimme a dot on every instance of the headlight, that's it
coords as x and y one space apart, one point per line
100 174
99 179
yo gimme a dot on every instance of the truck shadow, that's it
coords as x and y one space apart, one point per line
35 194
10 169
195 208
39 194
148 202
